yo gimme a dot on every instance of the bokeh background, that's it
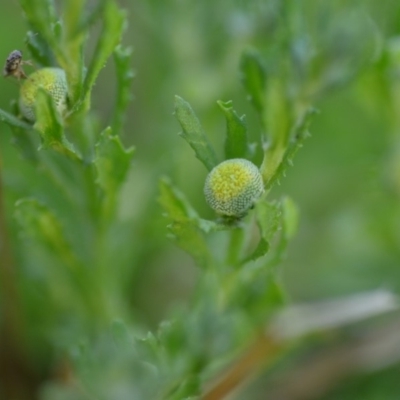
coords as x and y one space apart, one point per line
345 181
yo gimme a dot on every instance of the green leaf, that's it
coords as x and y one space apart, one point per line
72 45
188 236
22 133
112 161
175 203
298 135
260 251
278 114
90 17
254 78
42 18
268 219
278 123
114 22
42 226
50 127
39 49
194 134
40 13
272 297
186 229
12 120
236 145
125 74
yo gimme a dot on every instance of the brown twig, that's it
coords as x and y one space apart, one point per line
263 350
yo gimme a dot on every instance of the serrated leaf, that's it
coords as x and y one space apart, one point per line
42 226
268 219
114 22
278 122
112 161
50 126
298 135
190 238
278 114
254 78
72 45
260 251
236 145
194 134
42 18
175 203
186 229
125 75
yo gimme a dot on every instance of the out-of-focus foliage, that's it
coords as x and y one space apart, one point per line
117 280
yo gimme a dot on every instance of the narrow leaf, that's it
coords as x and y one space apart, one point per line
190 238
236 145
194 134
12 120
42 18
268 219
113 26
175 203
112 161
25 140
125 74
260 251
112 164
254 78
49 125
73 47
39 49
278 119
298 135
186 229
90 17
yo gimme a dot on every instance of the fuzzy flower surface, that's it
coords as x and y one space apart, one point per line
53 81
232 187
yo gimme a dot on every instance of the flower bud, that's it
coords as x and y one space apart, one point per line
232 187
53 81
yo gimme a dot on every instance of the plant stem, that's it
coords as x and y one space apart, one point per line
235 246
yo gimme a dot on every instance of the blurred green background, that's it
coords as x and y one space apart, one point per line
345 181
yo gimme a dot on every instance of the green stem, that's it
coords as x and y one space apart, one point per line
235 246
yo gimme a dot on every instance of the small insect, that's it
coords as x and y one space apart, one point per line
13 66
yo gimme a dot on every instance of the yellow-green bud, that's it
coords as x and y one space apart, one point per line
53 81
233 186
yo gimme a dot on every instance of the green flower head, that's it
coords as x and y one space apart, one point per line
53 81
233 186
